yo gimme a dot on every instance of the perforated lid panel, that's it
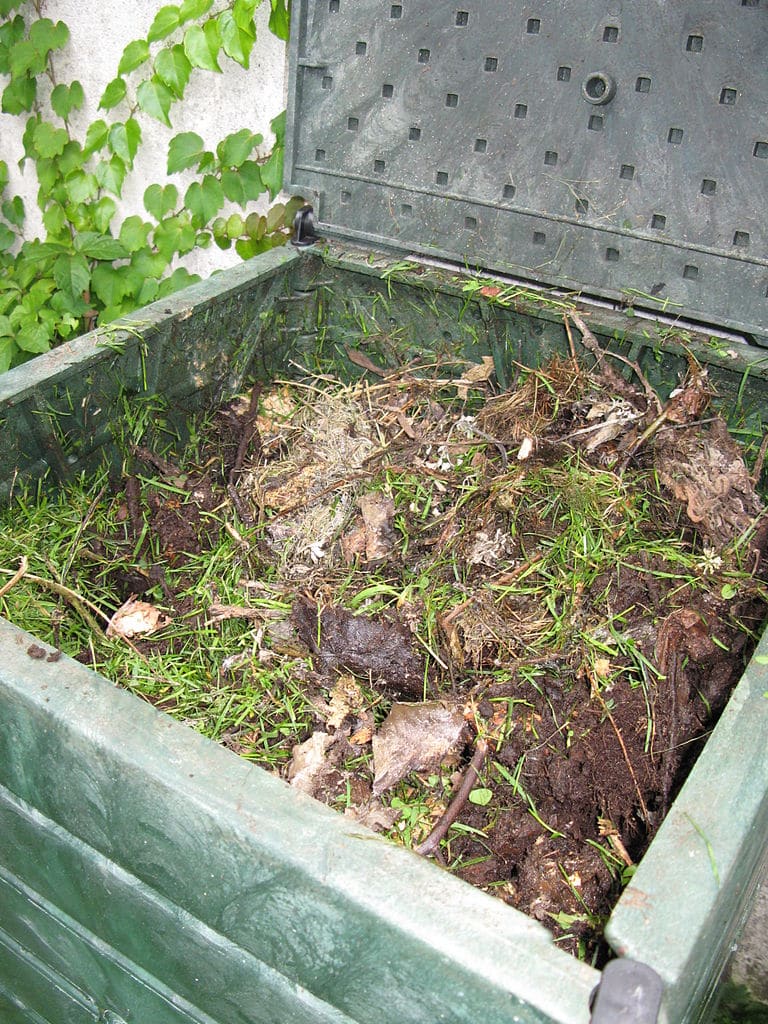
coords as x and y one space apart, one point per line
614 148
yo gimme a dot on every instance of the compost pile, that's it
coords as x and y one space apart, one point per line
512 617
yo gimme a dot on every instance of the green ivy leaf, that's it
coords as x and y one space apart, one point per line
95 137
13 211
198 49
158 200
147 292
71 159
235 226
45 36
24 57
49 141
124 140
166 20
243 12
155 99
194 9
66 98
7 238
233 186
184 150
19 95
134 55
204 200
72 273
179 279
236 148
250 178
280 20
247 248
172 67
33 337
81 186
113 94
55 220
272 172
149 264
255 226
8 350
99 247
174 235
103 212
111 175
113 284
134 233
236 42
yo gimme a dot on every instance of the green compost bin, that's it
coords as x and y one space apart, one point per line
146 874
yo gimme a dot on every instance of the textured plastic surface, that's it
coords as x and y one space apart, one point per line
147 874
610 148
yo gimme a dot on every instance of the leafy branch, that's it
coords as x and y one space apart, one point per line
87 270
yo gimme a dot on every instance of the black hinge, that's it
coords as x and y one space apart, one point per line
304 228
629 992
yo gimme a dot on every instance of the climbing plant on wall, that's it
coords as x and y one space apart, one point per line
93 267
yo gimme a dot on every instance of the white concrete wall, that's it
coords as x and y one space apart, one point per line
213 105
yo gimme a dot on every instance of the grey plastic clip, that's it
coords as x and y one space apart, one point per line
629 993
304 228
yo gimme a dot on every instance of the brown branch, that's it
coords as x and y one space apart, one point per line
590 342
431 844
21 571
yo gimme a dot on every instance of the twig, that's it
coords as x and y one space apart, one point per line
432 843
21 571
79 603
590 342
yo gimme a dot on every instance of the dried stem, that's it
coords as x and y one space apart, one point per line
431 844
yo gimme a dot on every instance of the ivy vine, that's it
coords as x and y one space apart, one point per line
87 270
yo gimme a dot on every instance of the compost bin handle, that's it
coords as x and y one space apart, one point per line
304 228
629 992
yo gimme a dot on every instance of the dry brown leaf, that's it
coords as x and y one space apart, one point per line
137 618
477 372
309 764
374 815
378 511
346 699
415 737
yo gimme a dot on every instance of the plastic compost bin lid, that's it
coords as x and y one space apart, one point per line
619 150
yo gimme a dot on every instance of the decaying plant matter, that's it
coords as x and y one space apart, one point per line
496 626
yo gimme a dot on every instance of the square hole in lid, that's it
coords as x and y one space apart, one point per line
675 136
533 26
708 187
414 133
521 110
470 223
353 124
333 6
491 63
658 221
441 178
396 11
643 84
387 91
610 33
627 172
481 145
694 44
741 238
462 18
563 73
690 272
761 150
582 205
539 238
509 191
728 97
361 48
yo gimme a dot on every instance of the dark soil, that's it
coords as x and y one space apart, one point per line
586 751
